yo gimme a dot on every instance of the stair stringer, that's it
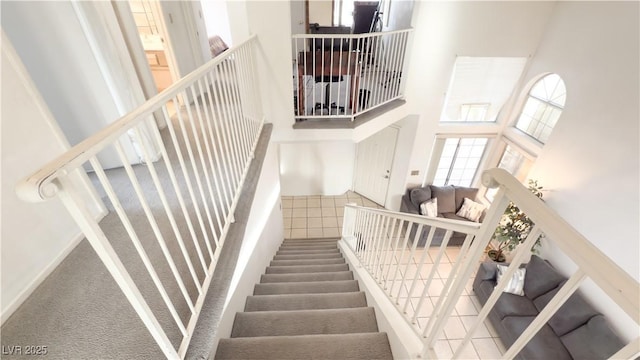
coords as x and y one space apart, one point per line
405 343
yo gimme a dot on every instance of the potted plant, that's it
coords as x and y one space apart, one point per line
514 228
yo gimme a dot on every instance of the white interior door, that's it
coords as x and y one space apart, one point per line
373 164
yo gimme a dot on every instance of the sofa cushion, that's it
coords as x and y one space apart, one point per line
464 192
574 313
420 195
514 305
446 196
544 345
540 278
450 215
593 340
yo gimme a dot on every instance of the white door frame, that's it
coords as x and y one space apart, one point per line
102 31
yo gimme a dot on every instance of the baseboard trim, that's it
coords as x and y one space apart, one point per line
46 271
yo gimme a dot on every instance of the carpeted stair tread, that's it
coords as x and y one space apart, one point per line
333 346
305 301
307 247
306 268
304 322
307 262
309 241
307 287
294 252
308 256
319 276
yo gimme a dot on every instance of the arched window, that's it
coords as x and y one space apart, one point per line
543 107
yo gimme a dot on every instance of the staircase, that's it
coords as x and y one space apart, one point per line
307 305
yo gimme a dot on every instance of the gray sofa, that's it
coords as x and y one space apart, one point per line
450 199
576 331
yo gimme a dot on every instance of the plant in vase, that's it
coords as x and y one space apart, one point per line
514 228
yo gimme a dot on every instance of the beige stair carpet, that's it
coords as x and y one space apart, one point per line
306 306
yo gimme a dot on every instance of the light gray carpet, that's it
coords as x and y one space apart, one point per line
79 312
303 310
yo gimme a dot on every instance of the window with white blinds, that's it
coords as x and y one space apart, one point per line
479 87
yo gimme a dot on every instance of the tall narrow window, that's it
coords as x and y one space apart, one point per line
459 161
543 107
515 162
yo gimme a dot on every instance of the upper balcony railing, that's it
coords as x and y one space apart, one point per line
342 76
170 205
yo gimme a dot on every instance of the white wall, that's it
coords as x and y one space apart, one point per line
35 237
317 168
216 19
321 12
444 30
590 163
263 236
65 71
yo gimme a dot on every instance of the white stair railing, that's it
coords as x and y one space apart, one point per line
386 244
177 204
345 75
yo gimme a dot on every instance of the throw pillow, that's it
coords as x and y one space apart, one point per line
446 196
516 283
429 208
471 210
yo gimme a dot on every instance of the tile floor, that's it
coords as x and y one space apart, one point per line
485 343
307 217
321 216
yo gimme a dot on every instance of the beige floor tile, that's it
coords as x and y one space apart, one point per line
313 197
341 202
330 232
328 212
314 212
315 233
482 331
299 203
287 204
357 202
341 196
426 308
299 198
299 223
465 306
469 352
327 202
287 233
443 350
313 203
287 223
486 348
340 211
299 213
454 328
286 197
329 222
287 213
298 233
314 223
